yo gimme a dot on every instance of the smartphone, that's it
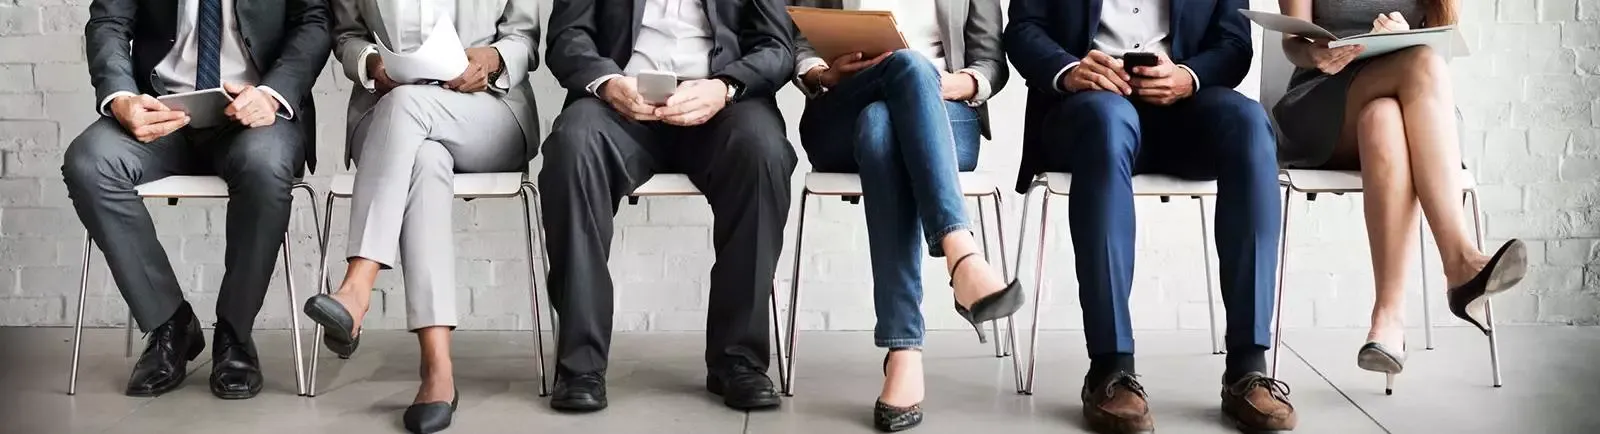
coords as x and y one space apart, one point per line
1132 60
657 86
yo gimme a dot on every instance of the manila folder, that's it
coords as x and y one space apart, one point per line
834 32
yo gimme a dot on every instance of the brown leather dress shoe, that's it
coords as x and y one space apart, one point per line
1117 406
1259 404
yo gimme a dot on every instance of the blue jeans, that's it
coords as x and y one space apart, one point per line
889 124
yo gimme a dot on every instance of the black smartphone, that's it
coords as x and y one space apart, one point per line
1131 60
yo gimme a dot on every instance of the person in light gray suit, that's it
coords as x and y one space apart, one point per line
908 121
408 140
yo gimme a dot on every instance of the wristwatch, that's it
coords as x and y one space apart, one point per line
733 87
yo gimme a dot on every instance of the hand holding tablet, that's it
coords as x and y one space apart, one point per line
146 118
203 107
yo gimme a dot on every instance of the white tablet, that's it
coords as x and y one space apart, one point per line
204 107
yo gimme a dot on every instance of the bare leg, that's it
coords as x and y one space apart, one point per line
902 380
355 292
1391 213
976 278
438 379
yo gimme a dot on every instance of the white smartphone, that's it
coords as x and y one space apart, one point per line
657 86
204 107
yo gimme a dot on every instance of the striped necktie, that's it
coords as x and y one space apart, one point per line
208 72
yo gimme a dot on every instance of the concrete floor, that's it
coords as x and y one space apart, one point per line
1551 373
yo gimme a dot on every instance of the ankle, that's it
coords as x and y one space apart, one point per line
1243 361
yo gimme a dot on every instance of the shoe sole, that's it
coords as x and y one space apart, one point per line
1111 425
589 406
1377 361
340 342
1508 273
162 391
1246 429
715 387
238 395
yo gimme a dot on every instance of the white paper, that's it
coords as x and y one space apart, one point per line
1287 25
440 58
1446 40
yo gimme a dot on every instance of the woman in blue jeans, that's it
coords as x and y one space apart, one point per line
908 121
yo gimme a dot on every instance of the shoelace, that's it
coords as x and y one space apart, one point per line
1273 385
1127 380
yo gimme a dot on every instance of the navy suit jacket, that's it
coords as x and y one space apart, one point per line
1211 37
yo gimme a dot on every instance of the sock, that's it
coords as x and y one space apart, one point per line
1103 366
1243 361
182 316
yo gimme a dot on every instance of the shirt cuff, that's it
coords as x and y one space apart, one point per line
503 82
807 64
984 91
1192 75
284 109
105 104
1056 82
594 86
361 69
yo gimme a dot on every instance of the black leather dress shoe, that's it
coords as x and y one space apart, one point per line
165 361
430 417
235 372
580 393
743 388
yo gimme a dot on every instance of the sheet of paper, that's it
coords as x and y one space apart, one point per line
834 32
1287 25
440 58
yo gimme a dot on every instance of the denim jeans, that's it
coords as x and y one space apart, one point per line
889 124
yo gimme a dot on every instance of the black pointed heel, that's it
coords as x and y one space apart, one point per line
431 417
336 324
889 418
1507 268
991 307
1377 358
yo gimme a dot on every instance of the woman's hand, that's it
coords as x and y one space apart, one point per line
842 67
1390 22
957 86
1332 60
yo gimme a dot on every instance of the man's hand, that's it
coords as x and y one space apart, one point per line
146 118
379 76
694 102
623 95
251 107
1097 71
841 68
481 63
957 86
1162 84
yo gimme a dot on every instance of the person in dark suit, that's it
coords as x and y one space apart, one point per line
267 56
1089 116
721 127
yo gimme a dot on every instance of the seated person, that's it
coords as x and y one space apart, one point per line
721 127
408 140
138 50
1391 117
1090 116
908 121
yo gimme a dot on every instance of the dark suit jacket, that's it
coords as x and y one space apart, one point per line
288 40
1209 36
751 43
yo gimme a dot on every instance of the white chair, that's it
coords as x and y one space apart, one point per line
1338 182
468 186
848 186
173 189
1162 186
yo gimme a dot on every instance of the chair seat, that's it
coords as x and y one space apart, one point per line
184 187
1143 185
1342 181
467 185
667 184
849 184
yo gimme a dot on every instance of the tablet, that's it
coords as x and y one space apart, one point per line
204 107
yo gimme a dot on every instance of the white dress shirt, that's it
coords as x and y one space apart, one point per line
1132 26
918 22
177 70
409 23
674 36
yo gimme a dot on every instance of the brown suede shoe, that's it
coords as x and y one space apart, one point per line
1117 406
1259 404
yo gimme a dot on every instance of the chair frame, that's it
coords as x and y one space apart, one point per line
854 197
172 200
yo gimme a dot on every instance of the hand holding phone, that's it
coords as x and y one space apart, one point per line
657 86
1134 60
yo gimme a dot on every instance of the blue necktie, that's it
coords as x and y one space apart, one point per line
208 72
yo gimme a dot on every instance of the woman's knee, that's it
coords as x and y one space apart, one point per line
874 135
432 159
1381 131
1424 69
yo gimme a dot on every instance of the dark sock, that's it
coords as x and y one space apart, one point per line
1104 365
182 316
1243 361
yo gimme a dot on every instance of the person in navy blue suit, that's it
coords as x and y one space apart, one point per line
1089 116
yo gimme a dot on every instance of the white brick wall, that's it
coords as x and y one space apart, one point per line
1530 96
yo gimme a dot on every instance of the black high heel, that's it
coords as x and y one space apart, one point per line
431 417
889 418
1508 266
1377 358
991 307
336 322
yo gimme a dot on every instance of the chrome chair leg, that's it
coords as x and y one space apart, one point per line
983 233
527 194
1205 252
127 335
294 317
1427 303
1488 305
77 329
323 287
794 292
1283 266
1038 291
1008 274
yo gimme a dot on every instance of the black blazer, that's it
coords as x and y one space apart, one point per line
751 43
287 40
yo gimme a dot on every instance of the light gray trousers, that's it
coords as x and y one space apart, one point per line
407 150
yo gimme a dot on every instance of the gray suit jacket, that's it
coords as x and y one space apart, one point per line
978 48
514 24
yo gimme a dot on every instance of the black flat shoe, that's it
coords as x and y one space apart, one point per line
164 364
431 417
889 418
579 393
336 324
235 372
991 307
1377 358
743 388
1508 266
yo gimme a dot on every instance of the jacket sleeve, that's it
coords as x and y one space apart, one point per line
518 42
352 39
1226 48
984 55
766 37
1027 40
106 38
305 51
571 52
